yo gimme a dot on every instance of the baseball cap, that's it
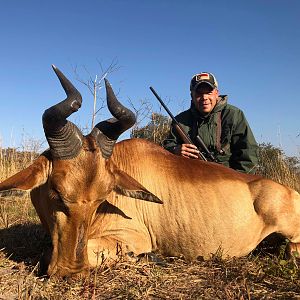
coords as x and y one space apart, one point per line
203 77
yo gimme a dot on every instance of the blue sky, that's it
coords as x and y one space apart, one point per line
251 46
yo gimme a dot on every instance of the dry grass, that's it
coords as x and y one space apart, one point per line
275 165
261 275
255 277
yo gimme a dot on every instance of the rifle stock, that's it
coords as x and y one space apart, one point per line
185 138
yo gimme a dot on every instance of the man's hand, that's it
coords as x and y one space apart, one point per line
187 150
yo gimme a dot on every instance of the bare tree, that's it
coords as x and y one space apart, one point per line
95 83
142 111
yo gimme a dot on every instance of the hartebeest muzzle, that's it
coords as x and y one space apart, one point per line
71 228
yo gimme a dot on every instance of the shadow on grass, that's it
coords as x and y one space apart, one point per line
24 242
271 245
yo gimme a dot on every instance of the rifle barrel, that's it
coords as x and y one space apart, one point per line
163 104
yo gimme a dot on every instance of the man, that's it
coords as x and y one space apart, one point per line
222 127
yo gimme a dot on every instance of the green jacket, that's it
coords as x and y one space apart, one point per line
225 132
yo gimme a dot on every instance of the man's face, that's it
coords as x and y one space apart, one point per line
205 98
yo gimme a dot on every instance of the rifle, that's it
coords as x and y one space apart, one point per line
185 138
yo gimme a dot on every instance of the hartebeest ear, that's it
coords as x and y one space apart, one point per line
31 177
128 186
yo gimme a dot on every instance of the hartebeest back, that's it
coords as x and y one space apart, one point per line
83 190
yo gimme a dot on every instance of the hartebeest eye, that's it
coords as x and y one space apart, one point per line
54 194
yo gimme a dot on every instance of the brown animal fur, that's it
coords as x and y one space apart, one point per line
207 208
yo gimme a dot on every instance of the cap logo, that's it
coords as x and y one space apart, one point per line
202 76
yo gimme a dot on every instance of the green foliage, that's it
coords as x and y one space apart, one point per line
281 266
156 130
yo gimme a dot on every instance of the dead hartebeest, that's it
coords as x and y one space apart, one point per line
88 193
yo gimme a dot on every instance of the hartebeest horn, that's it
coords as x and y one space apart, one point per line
108 131
64 138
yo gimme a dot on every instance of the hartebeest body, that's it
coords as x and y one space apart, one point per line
84 195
